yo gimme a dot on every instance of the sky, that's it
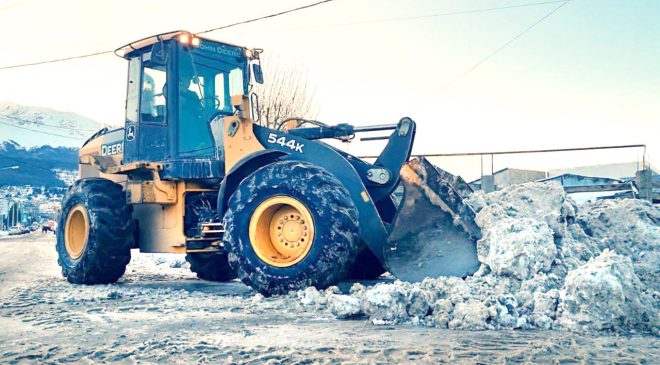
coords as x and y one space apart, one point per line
587 75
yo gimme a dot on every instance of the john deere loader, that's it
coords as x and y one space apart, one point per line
193 172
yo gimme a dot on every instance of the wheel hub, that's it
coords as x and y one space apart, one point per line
281 231
292 231
76 231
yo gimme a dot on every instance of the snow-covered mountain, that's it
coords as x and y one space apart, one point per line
37 166
36 126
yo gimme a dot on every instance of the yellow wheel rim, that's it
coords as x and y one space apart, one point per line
281 231
76 231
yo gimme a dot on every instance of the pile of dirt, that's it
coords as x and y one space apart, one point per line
545 263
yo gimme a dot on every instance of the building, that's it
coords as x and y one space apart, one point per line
570 180
14 216
612 171
4 210
583 188
508 176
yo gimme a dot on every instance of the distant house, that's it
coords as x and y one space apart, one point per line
508 176
627 172
587 182
584 188
580 180
613 171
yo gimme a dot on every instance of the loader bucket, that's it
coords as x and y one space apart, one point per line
433 233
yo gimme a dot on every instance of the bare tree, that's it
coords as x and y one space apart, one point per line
284 93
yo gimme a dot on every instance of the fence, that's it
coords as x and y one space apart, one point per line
586 171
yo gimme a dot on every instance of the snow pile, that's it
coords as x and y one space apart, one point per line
603 294
545 202
629 227
156 266
386 304
517 247
469 316
310 297
529 209
546 263
345 306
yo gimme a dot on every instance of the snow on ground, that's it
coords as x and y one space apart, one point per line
159 312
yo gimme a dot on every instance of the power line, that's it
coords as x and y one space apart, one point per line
42 132
462 12
49 125
515 152
17 3
56 60
205 31
415 17
490 55
267 16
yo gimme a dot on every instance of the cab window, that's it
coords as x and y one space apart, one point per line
208 75
133 90
152 103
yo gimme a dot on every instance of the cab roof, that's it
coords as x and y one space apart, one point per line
125 51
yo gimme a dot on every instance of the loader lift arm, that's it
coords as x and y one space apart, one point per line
381 177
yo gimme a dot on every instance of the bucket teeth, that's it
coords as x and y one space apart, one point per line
434 233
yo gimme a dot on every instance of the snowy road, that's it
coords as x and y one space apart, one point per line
160 312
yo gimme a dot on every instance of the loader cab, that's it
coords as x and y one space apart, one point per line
177 84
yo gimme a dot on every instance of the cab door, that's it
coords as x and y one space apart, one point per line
131 150
153 119
146 136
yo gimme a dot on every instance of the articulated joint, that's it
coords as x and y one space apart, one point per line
151 191
163 187
379 175
404 126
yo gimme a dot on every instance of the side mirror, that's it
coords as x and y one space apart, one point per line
159 54
258 74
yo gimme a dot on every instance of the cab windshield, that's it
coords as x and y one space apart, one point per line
208 75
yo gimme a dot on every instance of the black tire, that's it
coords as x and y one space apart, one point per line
109 239
212 266
336 226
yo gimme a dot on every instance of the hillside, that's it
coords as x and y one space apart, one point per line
32 126
37 166
39 146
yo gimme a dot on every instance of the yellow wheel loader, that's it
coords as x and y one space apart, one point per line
193 172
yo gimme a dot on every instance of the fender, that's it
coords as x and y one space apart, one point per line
240 171
372 229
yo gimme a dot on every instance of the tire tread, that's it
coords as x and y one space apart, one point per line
331 202
110 239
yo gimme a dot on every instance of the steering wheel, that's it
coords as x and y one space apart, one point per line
163 91
209 99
